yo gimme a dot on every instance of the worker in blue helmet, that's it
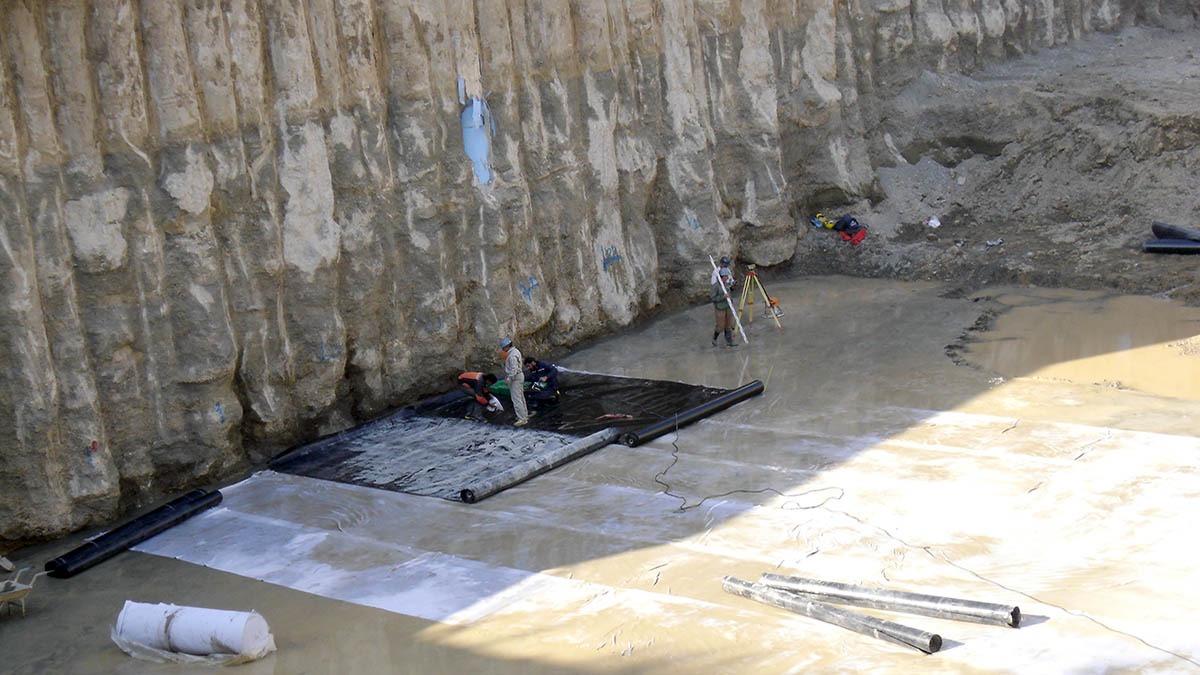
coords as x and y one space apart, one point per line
722 281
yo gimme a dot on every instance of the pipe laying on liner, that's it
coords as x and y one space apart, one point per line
635 438
899 601
537 465
134 532
860 623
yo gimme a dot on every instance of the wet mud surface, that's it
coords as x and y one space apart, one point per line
1126 342
1024 476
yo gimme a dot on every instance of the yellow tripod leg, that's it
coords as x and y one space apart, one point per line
742 302
749 293
768 301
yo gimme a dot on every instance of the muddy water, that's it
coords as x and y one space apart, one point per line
871 458
1131 342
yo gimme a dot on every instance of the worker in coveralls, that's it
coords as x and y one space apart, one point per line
514 375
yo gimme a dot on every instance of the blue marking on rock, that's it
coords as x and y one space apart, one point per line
477 129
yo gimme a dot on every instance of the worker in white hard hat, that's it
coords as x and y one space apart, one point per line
514 375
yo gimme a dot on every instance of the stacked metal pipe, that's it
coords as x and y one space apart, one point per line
816 599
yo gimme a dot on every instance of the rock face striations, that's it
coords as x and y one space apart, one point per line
228 225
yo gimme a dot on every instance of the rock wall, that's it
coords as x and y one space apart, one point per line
229 225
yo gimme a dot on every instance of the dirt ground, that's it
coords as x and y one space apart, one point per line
1046 170
910 437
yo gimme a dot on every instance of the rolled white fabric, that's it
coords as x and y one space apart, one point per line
195 630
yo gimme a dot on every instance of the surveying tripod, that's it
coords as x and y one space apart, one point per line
771 309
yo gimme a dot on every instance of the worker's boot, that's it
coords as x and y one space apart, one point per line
728 339
716 334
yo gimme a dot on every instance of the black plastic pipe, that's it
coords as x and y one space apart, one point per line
537 465
1167 231
898 601
1185 246
114 541
647 434
859 623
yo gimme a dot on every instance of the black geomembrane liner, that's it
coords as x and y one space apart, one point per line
590 402
429 449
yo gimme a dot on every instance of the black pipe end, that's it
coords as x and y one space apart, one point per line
57 568
1016 617
630 440
467 495
935 643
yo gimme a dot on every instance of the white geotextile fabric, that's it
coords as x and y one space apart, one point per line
163 632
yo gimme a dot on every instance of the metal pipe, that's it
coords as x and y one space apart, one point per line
537 465
646 434
859 623
900 601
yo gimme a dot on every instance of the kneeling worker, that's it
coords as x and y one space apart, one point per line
476 385
543 379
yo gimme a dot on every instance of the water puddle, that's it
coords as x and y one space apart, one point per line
1127 342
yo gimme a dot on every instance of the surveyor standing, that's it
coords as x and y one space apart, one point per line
514 375
720 300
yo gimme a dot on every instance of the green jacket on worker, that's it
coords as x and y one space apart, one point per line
718 296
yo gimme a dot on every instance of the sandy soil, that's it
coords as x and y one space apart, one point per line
1046 170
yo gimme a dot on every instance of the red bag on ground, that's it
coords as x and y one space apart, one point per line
856 238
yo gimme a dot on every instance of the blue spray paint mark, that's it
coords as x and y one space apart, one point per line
694 222
330 353
221 413
609 255
477 128
434 324
528 290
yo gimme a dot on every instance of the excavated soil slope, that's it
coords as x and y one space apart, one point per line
1046 170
